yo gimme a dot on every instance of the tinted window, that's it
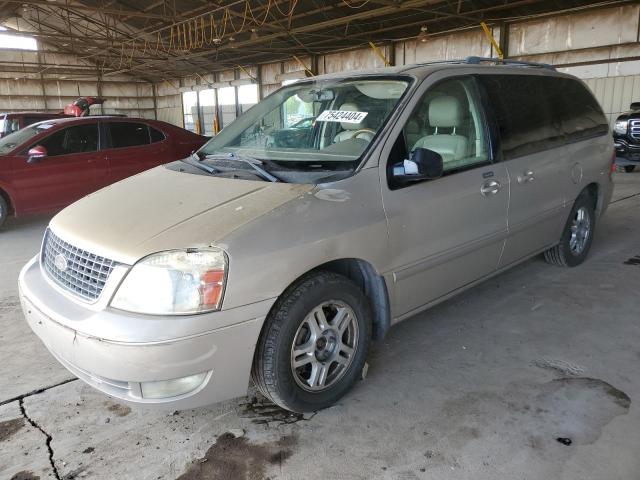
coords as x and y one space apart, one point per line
581 115
78 139
527 112
127 134
536 113
156 135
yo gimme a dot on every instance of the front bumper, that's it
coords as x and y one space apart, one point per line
626 153
121 363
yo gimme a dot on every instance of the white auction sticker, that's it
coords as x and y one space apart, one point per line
341 116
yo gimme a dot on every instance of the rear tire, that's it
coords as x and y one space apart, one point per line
629 168
4 210
314 344
577 235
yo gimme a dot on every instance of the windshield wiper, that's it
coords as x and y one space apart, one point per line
195 161
252 162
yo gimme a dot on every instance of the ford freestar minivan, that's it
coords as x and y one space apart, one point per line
282 262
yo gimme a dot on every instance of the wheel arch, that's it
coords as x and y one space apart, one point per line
5 195
594 191
366 277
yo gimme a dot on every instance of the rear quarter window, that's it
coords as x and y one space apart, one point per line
156 135
582 116
128 134
536 113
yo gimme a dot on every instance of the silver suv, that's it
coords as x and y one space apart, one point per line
333 209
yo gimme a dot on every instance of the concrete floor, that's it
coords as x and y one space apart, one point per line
480 387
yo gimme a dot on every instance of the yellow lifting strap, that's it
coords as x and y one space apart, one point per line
380 54
489 35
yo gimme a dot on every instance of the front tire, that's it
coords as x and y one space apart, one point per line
577 235
314 344
4 210
629 168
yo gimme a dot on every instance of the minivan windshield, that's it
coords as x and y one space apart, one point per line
11 141
311 124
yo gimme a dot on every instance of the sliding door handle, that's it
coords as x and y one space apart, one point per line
526 177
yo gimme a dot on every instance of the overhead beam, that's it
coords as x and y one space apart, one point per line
95 9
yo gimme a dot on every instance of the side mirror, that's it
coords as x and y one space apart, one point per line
635 106
424 164
36 154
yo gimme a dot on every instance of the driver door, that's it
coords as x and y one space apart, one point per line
447 232
66 174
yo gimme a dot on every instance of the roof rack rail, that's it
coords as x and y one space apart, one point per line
499 61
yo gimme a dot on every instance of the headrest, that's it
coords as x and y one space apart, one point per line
445 112
351 107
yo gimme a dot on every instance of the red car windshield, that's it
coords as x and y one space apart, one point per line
11 141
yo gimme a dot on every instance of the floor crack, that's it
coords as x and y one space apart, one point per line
36 391
625 198
49 438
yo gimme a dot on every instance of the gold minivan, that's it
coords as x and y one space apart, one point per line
333 209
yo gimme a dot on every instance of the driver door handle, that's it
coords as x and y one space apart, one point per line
490 188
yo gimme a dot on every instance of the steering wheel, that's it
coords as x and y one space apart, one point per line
362 130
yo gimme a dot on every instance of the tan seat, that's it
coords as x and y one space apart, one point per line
413 131
349 129
445 112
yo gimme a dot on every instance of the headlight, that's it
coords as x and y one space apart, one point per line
175 282
621 126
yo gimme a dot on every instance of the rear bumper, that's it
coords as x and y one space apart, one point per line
123 368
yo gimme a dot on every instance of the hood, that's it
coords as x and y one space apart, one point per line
163 209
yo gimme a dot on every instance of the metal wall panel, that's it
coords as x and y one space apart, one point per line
612 26
361 59
449 47
171 115
226 75
615 94
269 72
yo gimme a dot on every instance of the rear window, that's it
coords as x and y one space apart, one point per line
536 113
128 134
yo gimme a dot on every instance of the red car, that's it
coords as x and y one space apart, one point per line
51 164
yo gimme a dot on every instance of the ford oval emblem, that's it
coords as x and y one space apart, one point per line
61 263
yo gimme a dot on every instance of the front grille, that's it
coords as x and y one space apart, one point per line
85 273
634 129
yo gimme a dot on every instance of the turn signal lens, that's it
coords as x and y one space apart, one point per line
212 286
